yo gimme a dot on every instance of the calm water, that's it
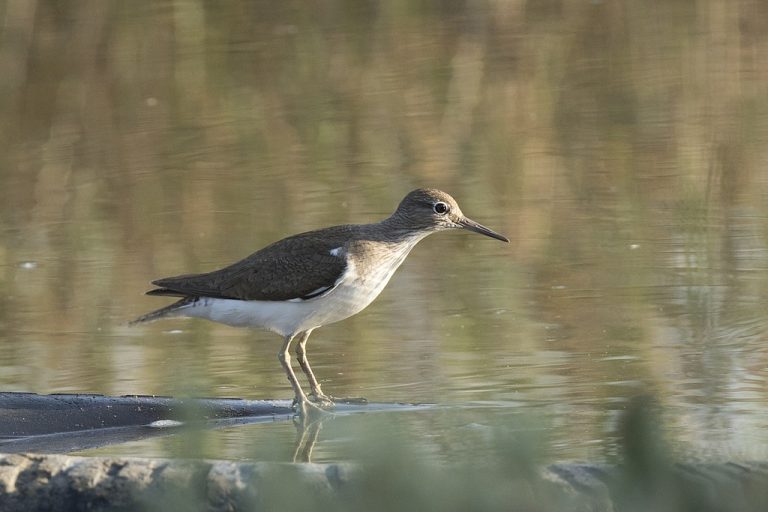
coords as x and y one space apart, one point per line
622 148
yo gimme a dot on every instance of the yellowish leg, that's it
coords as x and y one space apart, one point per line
302 402
301 355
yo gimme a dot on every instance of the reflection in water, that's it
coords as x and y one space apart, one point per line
307 433
622 148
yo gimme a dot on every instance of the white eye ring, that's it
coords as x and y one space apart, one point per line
440 208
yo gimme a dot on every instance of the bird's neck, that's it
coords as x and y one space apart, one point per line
397 229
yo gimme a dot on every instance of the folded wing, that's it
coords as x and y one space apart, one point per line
301 267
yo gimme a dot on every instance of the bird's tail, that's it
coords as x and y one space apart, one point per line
174 309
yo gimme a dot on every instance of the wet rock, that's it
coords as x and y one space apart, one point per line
65 483
60 482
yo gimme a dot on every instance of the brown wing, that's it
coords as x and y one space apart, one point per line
298 267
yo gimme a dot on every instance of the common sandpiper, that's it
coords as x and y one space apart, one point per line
305 281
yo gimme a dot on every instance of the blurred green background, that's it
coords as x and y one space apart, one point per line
620 145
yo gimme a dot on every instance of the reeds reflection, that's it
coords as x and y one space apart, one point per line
621 146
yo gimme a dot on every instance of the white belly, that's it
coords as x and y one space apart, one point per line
352 294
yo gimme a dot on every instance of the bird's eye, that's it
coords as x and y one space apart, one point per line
440 208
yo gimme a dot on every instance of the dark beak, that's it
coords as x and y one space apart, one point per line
479 228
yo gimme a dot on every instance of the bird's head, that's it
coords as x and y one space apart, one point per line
428 209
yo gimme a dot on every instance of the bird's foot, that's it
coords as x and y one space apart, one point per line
307 408
323 400
319 403
350 400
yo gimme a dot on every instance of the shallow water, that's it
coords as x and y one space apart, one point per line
623 151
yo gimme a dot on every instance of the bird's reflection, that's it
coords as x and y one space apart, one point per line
307 432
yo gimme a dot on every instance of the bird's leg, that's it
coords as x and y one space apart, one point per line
318 395
302 402
301 355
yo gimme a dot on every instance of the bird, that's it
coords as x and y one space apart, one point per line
312 279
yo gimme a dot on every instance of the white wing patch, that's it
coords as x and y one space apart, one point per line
336 251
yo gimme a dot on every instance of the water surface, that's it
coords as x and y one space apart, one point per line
622 149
